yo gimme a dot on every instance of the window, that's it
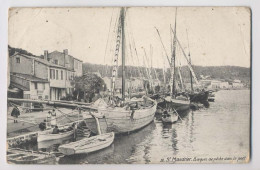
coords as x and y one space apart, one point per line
35 86
50 73
53 71
27 96
61 75
46 97
56 62
18 60
57 74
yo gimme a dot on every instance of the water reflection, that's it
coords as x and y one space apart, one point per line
119 152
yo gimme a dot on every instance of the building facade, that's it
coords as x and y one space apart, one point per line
48 78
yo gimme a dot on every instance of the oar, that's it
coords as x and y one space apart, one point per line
177 114
98 125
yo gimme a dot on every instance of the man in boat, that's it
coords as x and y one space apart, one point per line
56 130
74 126
42 125
15 113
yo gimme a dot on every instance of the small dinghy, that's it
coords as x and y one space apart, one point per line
48 135
88 145
21 156
169 117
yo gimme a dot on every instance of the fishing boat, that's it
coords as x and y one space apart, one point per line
175 101
88 145
123 119
197 97
47 135
200 97
118 116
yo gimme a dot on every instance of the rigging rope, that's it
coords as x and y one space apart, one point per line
141 74
163 46
108 36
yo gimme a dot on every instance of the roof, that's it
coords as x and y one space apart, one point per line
63 53
29 77
77 59
41 61
19 86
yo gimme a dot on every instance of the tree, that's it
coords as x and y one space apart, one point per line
87 85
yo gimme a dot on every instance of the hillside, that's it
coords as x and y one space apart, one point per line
227 73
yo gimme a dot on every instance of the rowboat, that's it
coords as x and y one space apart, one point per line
21 156
47 135
169 117
88 145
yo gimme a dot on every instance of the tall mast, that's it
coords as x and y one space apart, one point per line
191 83
122 15
115 60
173 91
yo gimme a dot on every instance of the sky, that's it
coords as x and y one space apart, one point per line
214 36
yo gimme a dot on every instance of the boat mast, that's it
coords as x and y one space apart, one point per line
191 83
173 90
115 60
122 16
188 61
181 80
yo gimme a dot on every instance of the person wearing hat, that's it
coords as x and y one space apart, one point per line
15 113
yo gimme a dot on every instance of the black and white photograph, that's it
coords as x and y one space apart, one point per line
129 85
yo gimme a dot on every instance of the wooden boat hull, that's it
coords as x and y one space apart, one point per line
88 145
181 106
47 136
199 97
123 121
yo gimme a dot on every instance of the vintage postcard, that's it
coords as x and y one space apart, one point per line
129 85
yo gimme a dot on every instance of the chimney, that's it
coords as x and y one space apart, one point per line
65 52
66 58
45 54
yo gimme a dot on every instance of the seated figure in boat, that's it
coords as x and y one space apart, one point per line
43 125
56 130
75 128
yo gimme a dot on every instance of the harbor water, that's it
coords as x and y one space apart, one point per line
221 131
